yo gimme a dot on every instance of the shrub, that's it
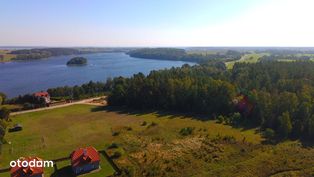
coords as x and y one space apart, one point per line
220 119
186 131
153 124
269 133
112 146
116 155
229 139
144 123
28 106
114 133
4 113
128 128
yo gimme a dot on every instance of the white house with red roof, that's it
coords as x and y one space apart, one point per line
84 160
20 171
44 95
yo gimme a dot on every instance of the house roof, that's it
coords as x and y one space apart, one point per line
41 94
27 171
82 156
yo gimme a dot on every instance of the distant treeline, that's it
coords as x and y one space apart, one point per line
280 95
31 54
87 90
291 51
182 55
29 101
284 57
43 53
90 89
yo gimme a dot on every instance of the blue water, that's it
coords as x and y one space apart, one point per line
18 78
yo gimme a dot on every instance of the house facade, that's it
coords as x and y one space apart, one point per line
44 95
84 160
27 171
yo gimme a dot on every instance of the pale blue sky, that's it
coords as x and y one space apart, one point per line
156 22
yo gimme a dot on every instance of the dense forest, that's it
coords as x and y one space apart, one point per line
90 89
182 55
284 57
277 96
31 54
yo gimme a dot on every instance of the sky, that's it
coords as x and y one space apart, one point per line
150 23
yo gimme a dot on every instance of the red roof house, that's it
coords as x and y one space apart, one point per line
84 160
20 171
44 95
244 105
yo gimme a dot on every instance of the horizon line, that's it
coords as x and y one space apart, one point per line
142 46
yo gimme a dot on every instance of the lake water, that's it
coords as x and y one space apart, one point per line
18 78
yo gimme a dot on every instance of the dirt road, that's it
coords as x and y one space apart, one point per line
85 101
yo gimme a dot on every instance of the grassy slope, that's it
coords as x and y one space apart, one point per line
247 58
7 56
158 149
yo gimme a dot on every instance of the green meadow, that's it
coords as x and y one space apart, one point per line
247 58
153 144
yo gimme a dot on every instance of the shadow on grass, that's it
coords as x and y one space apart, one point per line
158 113
63 172
307 143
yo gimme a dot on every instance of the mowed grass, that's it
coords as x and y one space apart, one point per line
154 148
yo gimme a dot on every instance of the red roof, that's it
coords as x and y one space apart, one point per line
84 156
27 171
41 94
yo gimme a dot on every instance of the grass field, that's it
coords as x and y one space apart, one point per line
247 58
150 144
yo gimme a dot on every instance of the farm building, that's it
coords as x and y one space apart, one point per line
84 160
44 95
27 171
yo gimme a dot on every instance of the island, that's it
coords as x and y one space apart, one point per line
77 61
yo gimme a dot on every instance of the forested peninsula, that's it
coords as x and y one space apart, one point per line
182 55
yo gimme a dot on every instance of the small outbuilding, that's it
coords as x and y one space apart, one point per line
84 160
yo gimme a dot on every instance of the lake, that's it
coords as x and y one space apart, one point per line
17 78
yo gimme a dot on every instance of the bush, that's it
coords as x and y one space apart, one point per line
112 146
129 128
186 131
28 106
4 113
144 123
153 124
116 155
220 119
229 139
269 133
114 133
